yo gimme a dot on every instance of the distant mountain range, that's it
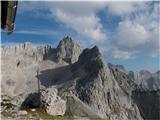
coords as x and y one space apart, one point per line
90 87
145 79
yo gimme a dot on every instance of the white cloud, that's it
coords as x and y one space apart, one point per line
77 8
27 32
139 33
79 16
37 32
130 35
120 54
123 8
153 47
88 26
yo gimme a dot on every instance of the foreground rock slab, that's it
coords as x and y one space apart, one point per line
52 103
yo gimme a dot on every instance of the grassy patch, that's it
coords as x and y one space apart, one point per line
96 119
41 113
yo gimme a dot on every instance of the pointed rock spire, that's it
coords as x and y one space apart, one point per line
68 50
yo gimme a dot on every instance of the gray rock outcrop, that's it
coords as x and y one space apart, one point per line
75 107
20 64
86 85
97 87
145 79
51 102
68 50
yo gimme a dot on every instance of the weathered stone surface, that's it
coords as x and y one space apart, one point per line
21 62
97 87
75 107
19 66
148 103
52 103
68 50
100 89
145 79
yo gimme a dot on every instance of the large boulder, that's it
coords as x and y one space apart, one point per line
52 103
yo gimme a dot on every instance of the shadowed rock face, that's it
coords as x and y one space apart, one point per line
84 80
75 107
94 84
90 61
148 103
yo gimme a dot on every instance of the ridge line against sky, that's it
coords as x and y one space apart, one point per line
126 32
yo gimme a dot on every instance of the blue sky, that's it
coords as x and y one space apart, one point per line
126 32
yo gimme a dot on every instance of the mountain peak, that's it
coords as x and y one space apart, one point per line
91 58
90 54
117 67
67 40
144 72
68 50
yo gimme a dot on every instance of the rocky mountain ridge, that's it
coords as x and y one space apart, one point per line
82 79
145 79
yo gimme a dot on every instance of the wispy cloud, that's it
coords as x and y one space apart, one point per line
43 32
28 32
121 54
78 16
139 31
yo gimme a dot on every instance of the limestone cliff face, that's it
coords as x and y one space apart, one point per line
145 79
20 64
98 88
83 79
68 50
52 103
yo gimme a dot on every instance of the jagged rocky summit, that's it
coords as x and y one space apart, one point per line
145 79
80 81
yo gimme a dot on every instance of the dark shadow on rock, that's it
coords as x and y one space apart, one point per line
54 54
32 101
55 76
148 103
50 54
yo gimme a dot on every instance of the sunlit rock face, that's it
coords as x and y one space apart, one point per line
20 64
52 103
68 50
145 79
